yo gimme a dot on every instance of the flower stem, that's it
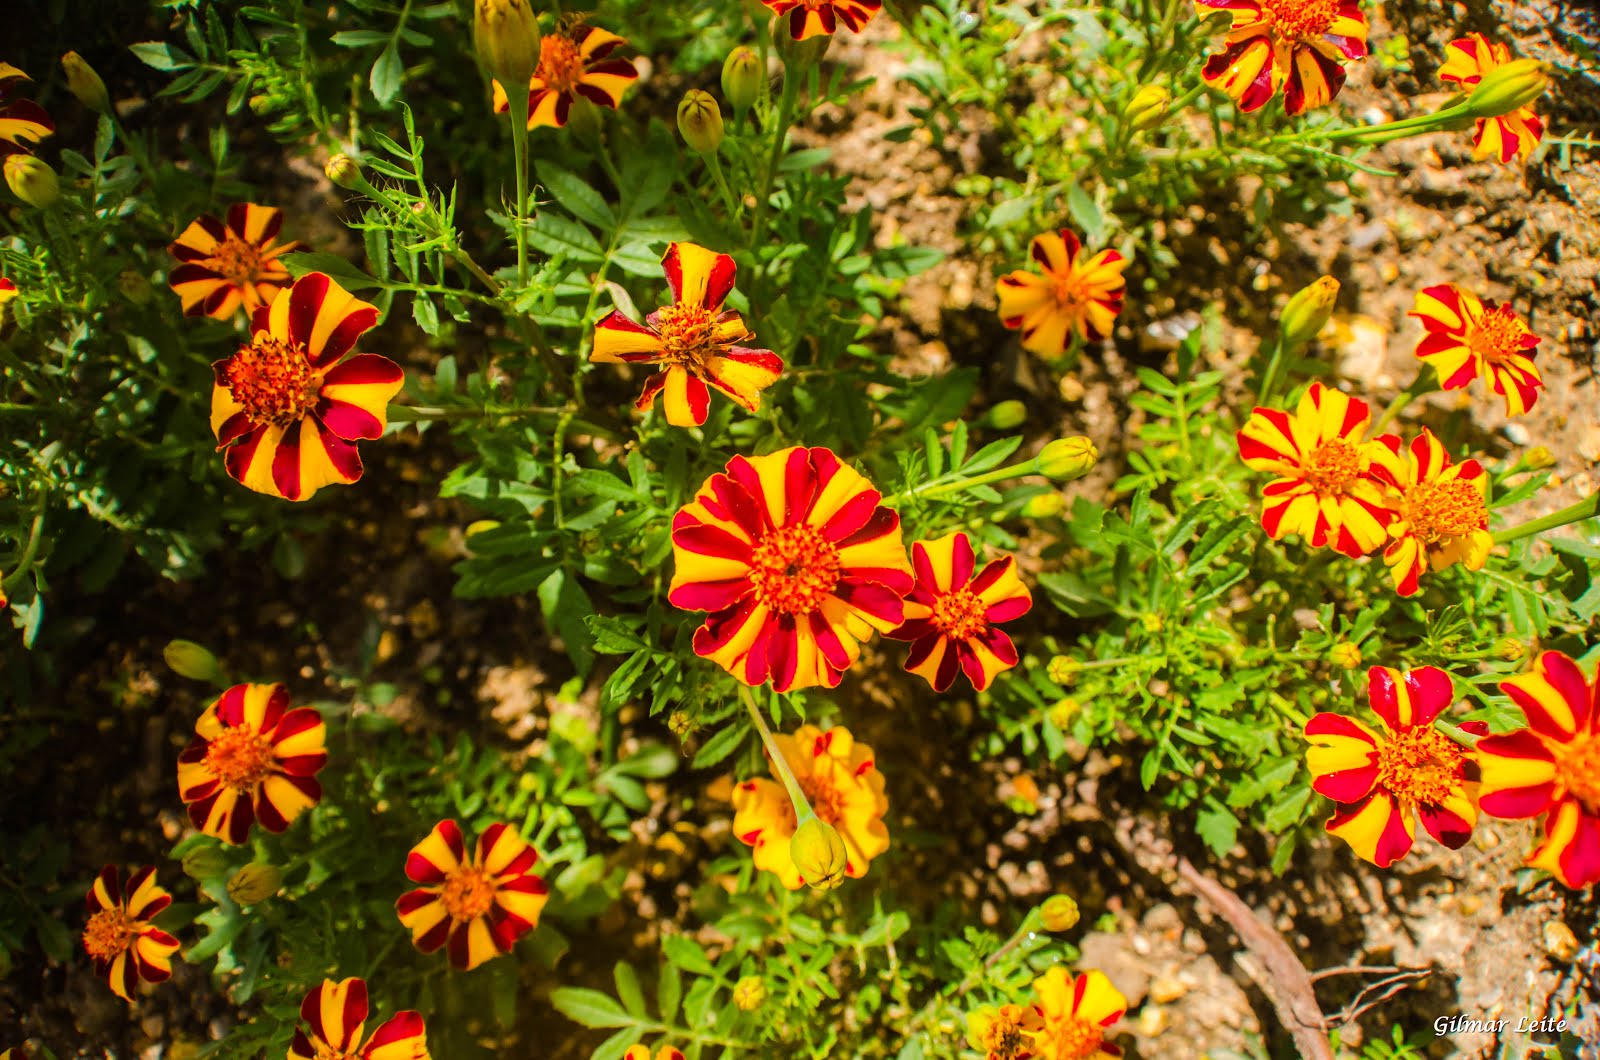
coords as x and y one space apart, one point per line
29 550
793 72
722 184
941 487
802 807
1422 384
1588 508
519 150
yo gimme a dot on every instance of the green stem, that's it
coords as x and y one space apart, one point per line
31 549
1588 508
793 72
519 149
1422 384
941 487
1392 130
1269 375
802 808
722 184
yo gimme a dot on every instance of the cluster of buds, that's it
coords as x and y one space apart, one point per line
699 116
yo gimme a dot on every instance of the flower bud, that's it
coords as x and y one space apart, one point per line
32 181
1510 649
1062 711
1147 108
741 78
750 993
1067 458
1059 913
1061 668
1345 654
344 171
205 863
1044 506
190 660
506 36
679 723
819 854
254 883
1152 622
1307 311
85 84
1006 415
1506 88
1538 458
700 121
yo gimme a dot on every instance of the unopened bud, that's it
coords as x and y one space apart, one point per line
190 660
1307 311
679 723
85 84
1148 107
1067 458
700 121
819 853
344 171
1345 654
1006 415
741 78
750 993
1044 506
1538 458
254 883
506 36
1059 913
32 181
1061 668
1063 711
205 863
1510 649
1506 88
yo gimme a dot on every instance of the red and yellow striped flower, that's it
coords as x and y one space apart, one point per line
252 759
642 1052
1325 490
1441 510
1077 1012
1509 136
951 616
224 265
1551 767
573 61
1299 46
288 407
840 780
1383 782
811 18
1466 339
23 123
476 907
694 340
796 560
335 1016
1069 297
1010 1032
120 938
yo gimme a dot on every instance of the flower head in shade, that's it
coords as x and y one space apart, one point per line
23 123
1383 782
796 560
288 406
1466 339
1324 490
1551 767
574 61
840 780
1442 511
1077 1012
695 342
1509 136
1010 1032
1299 46
476 907
1070 295
252 759
952 616
120 938
812 18
642 1052
228 264
335 1016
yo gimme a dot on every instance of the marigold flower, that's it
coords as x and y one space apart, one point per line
335 1016
839 778
1383 782
694 340
288 407
574 61
642 1052
1010 1032
252 759
120 938
1076 1013
1551 767
232 263
952 616
811 18
1511 135
479 906
1080 297
796 560
14 1053
1299 46
1324 491
1465 339
1442 515
23 122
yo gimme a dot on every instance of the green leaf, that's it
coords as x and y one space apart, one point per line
1218 827
575 195
565 607
603 485
358 38
349 277
720 746
686 953
555 234
162 56
590 1008
386 71
613 636
628 989
1081 205
669 991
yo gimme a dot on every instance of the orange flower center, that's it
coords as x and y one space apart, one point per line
108 933
240 757
560 64
1422 766
1077 1039
687 333
1072 294
1496 336
273 380
235 260
1578 769
321 1050
1438 510
1297 20
1332 466
827 801
959 614
468 893
794 569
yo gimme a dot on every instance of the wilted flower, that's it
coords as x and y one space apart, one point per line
32 181
952 617
1297 45
1076 1013
334 1017
1010 1032
85 84
700 121
226 265
23 122
1513 130
120 938
811 18
573 62
476 907
1442 510
1067 297
1465 338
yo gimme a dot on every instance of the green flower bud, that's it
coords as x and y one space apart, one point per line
1506 88
1060 669
1062 711
1067 458
32 181
1059 913
750 993
1006 415
741 78
190 660
1147 108
345 172
254 883
506 36
1510 649
1307 311
1044 506
205 862
85 84
1344 654
700 121
1538 458
819 854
